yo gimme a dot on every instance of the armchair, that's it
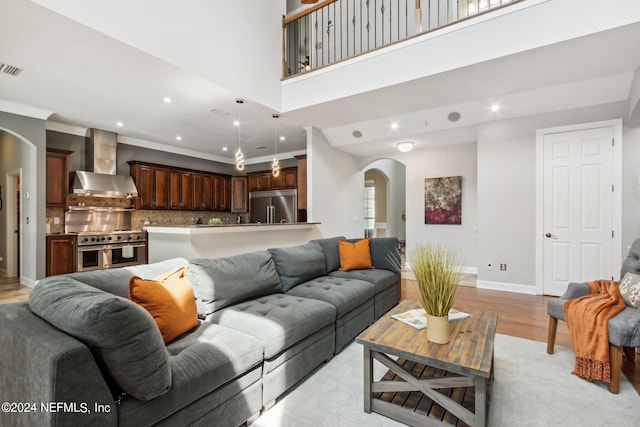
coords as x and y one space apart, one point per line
624 327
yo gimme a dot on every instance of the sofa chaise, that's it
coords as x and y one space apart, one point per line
82 353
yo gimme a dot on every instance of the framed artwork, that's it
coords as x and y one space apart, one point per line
443 200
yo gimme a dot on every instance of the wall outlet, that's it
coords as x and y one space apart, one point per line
503 267
489 267
56 220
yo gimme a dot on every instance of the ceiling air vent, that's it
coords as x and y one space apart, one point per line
10 69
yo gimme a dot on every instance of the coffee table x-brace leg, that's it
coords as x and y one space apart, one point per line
427 386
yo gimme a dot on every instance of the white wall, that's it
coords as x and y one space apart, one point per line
335 188
455 160
507 192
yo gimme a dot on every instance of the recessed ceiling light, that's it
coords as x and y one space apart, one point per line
236 123
119 124
394 125
178 138
166 100
495 107
454 116
405 146
224 148
282 138
356 134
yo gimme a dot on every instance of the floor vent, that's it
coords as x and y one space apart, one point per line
10 69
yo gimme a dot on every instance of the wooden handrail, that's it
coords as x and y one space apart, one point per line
305 12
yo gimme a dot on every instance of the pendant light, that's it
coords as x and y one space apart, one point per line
239 154
275 165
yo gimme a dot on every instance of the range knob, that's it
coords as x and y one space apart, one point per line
109 238
93 239
138 237
119 237
86 239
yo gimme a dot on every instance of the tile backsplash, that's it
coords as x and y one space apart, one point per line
138 217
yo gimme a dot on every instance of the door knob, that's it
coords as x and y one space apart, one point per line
551 236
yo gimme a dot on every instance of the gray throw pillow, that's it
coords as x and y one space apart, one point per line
630 289
123 336
221 282
298 264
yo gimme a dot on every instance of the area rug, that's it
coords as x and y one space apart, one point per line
531 388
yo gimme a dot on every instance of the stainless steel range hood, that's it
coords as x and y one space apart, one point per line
100 179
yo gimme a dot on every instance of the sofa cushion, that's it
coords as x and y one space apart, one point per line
221 282
630 289
381 279
331 254
354 255
169 299
385 253
122 335
278 320
297 264
343 293
202 361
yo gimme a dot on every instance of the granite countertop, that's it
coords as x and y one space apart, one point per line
250 224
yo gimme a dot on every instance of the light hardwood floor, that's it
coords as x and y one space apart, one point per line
519 315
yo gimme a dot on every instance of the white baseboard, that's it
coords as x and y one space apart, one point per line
508 287
28 282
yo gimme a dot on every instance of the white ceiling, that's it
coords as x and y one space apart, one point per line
90 78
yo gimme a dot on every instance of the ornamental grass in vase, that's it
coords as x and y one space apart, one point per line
438 273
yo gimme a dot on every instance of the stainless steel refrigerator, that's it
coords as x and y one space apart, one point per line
273 207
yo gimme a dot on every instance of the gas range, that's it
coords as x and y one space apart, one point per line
86 238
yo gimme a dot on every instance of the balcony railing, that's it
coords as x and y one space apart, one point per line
335 30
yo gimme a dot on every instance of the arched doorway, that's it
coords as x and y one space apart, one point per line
16 246
384 199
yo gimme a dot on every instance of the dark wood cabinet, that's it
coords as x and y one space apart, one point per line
180 190
57 177
221 193
152 184
239 194
301 183
264 181
61 254
202 185
166 187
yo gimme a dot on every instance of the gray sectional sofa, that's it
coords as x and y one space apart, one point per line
81 353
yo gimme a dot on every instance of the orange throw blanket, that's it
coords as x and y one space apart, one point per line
588 320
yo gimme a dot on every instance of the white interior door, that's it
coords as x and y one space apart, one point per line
578 207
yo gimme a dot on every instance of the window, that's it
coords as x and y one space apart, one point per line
369 208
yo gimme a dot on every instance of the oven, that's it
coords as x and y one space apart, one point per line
98 251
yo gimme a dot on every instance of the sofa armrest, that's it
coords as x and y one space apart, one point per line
575 290
52 372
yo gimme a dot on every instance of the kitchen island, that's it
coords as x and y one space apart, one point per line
215 241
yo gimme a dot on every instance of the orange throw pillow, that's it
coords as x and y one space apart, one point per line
170 300
354 255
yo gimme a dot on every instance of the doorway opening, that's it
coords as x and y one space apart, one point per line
12 227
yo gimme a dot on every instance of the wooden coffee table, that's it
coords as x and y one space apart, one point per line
467 361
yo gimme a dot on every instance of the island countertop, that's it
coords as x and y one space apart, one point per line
225 228
192 241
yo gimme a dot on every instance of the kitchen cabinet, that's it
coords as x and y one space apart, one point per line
180 190
61 254
57 177
202 187
264 181
221 193
239 194
153 186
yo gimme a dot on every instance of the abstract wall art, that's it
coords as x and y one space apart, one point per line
443 200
